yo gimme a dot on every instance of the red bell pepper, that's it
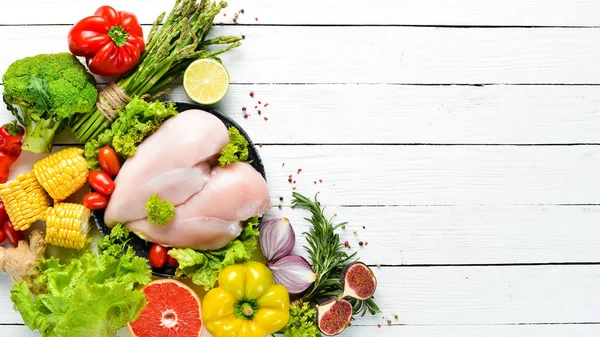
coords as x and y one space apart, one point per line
112 42
11 136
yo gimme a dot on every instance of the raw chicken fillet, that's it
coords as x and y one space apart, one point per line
175 164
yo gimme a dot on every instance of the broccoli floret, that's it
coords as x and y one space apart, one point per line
160 211
49 89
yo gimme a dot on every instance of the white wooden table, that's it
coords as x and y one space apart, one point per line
463 135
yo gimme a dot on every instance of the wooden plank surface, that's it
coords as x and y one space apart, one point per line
343 114
399 55
465 295
562 330
437 175
477 237
425 235
314 12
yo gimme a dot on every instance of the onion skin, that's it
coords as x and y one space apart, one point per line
277 238
293 272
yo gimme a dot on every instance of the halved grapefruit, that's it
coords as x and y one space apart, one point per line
173 310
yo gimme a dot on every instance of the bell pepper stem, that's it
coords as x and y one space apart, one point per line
118 35
247 310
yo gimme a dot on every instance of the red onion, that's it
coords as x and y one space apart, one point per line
277 238
293 272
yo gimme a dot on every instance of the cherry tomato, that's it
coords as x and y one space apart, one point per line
3 215
109 161
95 200
12 235
171 261
157 256
2 236
101 182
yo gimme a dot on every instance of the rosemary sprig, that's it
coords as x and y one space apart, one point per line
362 307
327 256
325 251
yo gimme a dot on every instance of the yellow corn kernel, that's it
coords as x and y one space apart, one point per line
25 200
67 225
62 173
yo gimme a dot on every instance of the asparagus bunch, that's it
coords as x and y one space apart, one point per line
170 48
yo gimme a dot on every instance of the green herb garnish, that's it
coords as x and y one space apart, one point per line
303 321
160 211
236 150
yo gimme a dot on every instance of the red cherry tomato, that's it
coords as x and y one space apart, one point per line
3 215
101 182
157 256
109 161
2 236
95 200
171 261
12 235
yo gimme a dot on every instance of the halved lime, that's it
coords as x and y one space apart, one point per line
206 81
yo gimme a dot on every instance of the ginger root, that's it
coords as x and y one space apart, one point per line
20 262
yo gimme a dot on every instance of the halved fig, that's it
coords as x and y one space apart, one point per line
333 316
358 281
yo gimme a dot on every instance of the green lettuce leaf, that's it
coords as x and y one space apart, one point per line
90 295
203 267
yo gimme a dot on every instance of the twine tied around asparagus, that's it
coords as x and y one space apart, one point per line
114 98
111 99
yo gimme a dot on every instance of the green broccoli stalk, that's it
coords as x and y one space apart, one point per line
49 89
160 211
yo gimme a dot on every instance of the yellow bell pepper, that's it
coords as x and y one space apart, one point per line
246 303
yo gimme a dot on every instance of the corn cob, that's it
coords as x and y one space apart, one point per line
25 200
62 173
67 225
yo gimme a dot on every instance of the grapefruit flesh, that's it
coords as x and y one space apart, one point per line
173 310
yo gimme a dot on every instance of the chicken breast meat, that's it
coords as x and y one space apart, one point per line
174 163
